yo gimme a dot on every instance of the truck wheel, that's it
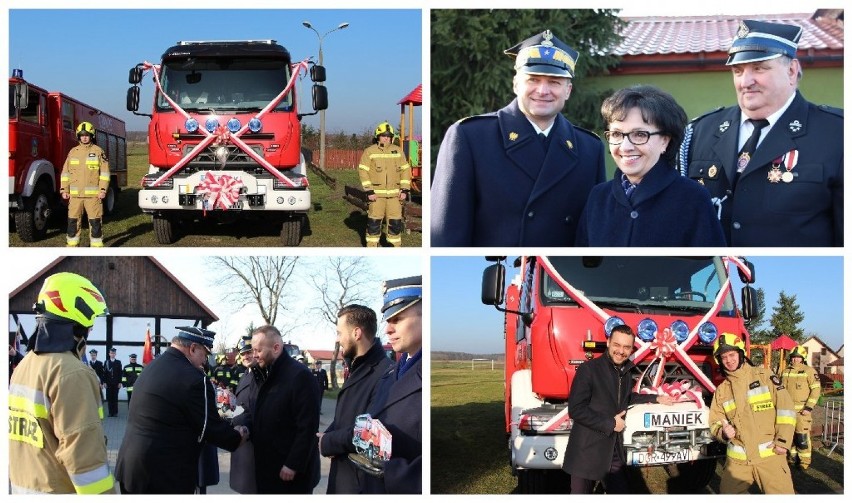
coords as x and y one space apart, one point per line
692 477
164 229
111 197
31 223
291 231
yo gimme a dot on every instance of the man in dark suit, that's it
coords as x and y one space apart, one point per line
397 398
285 419
774 163
519 176
356 332
598 402
322 380
98 367
173 414
242 478
113 372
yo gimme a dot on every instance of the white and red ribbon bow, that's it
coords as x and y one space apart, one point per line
223 190
680 391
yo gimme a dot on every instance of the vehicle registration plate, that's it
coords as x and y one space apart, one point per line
692 418
661 457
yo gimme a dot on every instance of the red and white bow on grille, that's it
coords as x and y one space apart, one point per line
680 391
222 191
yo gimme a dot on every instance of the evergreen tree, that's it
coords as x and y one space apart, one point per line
786 317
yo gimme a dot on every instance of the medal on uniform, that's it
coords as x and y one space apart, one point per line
712 171
513 136
742 161
774 175
789 161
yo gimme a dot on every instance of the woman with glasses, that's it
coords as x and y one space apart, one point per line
647 203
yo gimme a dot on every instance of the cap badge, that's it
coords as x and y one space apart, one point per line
513 136
547 36
724 126
743 30
795 126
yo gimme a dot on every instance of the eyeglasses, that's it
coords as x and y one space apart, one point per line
636 137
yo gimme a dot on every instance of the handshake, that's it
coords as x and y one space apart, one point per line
244 433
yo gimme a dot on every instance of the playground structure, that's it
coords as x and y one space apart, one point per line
411 146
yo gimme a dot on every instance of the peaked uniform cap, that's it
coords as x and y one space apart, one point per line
198 336
760 41
400 294
544 54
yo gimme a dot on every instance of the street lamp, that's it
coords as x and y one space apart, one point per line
308 25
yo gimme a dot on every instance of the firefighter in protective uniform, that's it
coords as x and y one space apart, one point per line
802 382
84 182
754 415
55 434
129 374
386 178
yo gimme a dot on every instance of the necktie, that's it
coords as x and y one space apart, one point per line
627 186
543 139
750 144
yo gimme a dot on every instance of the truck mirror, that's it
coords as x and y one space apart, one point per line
493 284
318 73
749 302
743 277
22 95
133 99
135 76
494 258
320 96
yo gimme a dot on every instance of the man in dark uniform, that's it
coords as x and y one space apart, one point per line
130 374
242 477
774 163
356 332
519 176
322 380
112 379
398 396
173 415
98 367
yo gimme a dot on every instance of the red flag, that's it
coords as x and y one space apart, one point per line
147 351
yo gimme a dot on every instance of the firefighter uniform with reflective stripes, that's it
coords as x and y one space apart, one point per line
85 175
129 375
756 404
55 434
803 385
384 171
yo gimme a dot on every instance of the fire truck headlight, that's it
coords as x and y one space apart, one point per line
680 330
211 125
234 125
255 125
647 330
708 332
191 125
611 323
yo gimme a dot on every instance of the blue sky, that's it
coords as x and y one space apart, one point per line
460 322
371 64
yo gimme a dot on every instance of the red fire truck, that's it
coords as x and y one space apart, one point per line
225 136
559 313
42 128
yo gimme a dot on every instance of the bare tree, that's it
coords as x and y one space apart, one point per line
341 281
262 282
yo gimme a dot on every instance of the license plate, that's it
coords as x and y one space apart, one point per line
660 457
688 419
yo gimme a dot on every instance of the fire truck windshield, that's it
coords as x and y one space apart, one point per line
641 284
235 84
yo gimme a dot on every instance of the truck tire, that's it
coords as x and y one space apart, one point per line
543 482
691 477
111 198
164 229
31 223
291 231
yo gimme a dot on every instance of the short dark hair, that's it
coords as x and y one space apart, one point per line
622 329
656 106
362 317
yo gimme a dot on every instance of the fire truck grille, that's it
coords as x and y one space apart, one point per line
221 157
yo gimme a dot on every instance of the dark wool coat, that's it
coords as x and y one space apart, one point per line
173 403
242 477
495 184
808 211
352 400
397 404
666 209
599 392
283 428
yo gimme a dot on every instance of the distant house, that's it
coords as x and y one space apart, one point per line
822 358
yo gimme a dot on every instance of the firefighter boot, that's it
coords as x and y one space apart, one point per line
73 237
96 233
394 232
374 232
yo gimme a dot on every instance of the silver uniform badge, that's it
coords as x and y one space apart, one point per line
795 126
724 126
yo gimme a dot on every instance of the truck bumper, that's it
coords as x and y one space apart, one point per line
258 194
544 452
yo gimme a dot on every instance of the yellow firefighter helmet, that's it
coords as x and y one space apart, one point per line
69 296
384 129
85 128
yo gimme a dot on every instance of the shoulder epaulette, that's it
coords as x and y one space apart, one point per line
832 110
705 114
587 131
492 115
